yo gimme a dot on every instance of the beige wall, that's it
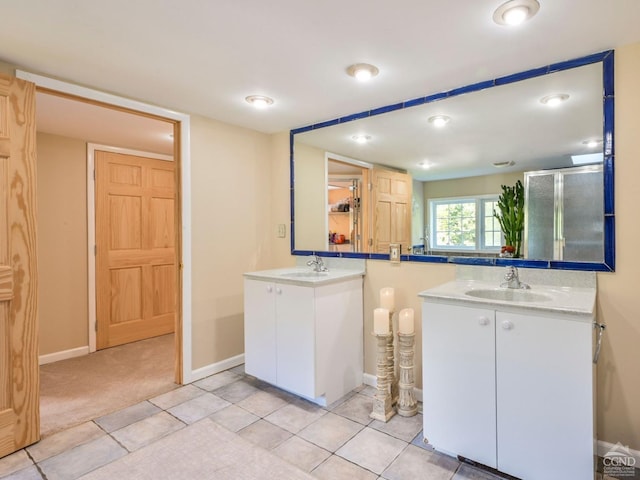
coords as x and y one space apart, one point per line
311 206
62 243
460 187
232 231
618 302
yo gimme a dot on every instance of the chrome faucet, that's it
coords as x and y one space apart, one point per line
318 264
512 279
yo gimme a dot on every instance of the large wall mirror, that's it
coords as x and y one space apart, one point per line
426 173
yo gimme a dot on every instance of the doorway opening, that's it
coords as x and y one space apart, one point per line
176 129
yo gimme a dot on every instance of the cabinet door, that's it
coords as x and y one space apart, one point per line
544 396
458 349
260 330
295 333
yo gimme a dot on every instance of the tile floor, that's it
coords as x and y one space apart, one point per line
333 443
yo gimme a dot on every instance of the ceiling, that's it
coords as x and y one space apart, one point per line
204 58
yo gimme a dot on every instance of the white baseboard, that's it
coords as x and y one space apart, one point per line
604 447
218 367
63 355
372 381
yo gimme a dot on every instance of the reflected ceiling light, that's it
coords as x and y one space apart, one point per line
515 12
439 120
554 100
361 138
592 143
259 101
363 71
424 165
509 163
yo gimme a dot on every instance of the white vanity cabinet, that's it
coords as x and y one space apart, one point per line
305 339
513 390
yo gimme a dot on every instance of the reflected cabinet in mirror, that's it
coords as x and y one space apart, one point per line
427 173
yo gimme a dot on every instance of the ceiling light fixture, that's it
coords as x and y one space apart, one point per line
515 12
592 143
259 101
361 139
507 163
439 120
363 71
554 100
424 165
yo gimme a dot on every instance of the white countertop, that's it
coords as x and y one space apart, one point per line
577 301
305 276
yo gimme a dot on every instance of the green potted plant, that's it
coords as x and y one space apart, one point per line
511 217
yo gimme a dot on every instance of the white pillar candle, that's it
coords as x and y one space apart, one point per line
405 321
381 321
387 298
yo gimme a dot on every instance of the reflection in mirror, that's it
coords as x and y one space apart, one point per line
432 188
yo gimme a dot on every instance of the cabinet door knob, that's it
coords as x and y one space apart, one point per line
483 321
278 290
269 288
507 325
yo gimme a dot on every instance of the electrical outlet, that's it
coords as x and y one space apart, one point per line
282 230
394 252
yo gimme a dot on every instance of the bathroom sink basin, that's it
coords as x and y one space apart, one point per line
509 295
305 274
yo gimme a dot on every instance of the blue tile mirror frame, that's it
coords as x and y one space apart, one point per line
605 59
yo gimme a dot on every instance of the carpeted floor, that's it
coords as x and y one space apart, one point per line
79 389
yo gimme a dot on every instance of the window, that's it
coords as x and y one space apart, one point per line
465 223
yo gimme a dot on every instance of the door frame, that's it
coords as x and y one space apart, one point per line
91 224
182 122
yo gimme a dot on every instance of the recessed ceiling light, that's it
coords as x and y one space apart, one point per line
363 71
554 100
259 101
592 143
508 163
515 12
361 138
439 120
424 165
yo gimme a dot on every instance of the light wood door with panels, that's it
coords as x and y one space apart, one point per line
135 248
19 376
391 198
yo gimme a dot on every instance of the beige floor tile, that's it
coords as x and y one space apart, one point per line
233 418
14 462
262 403
372 450
415 462
177 396
331 431
404 428
218 380
357 408
65 440
197 408
295 417
126 416
337 468
301 453
29 473
264 434
83 459
236 391
146 431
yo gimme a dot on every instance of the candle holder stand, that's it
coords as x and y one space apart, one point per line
382 408
391 363
407 405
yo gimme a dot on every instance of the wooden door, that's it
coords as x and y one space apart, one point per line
19 376
391 198
135 248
